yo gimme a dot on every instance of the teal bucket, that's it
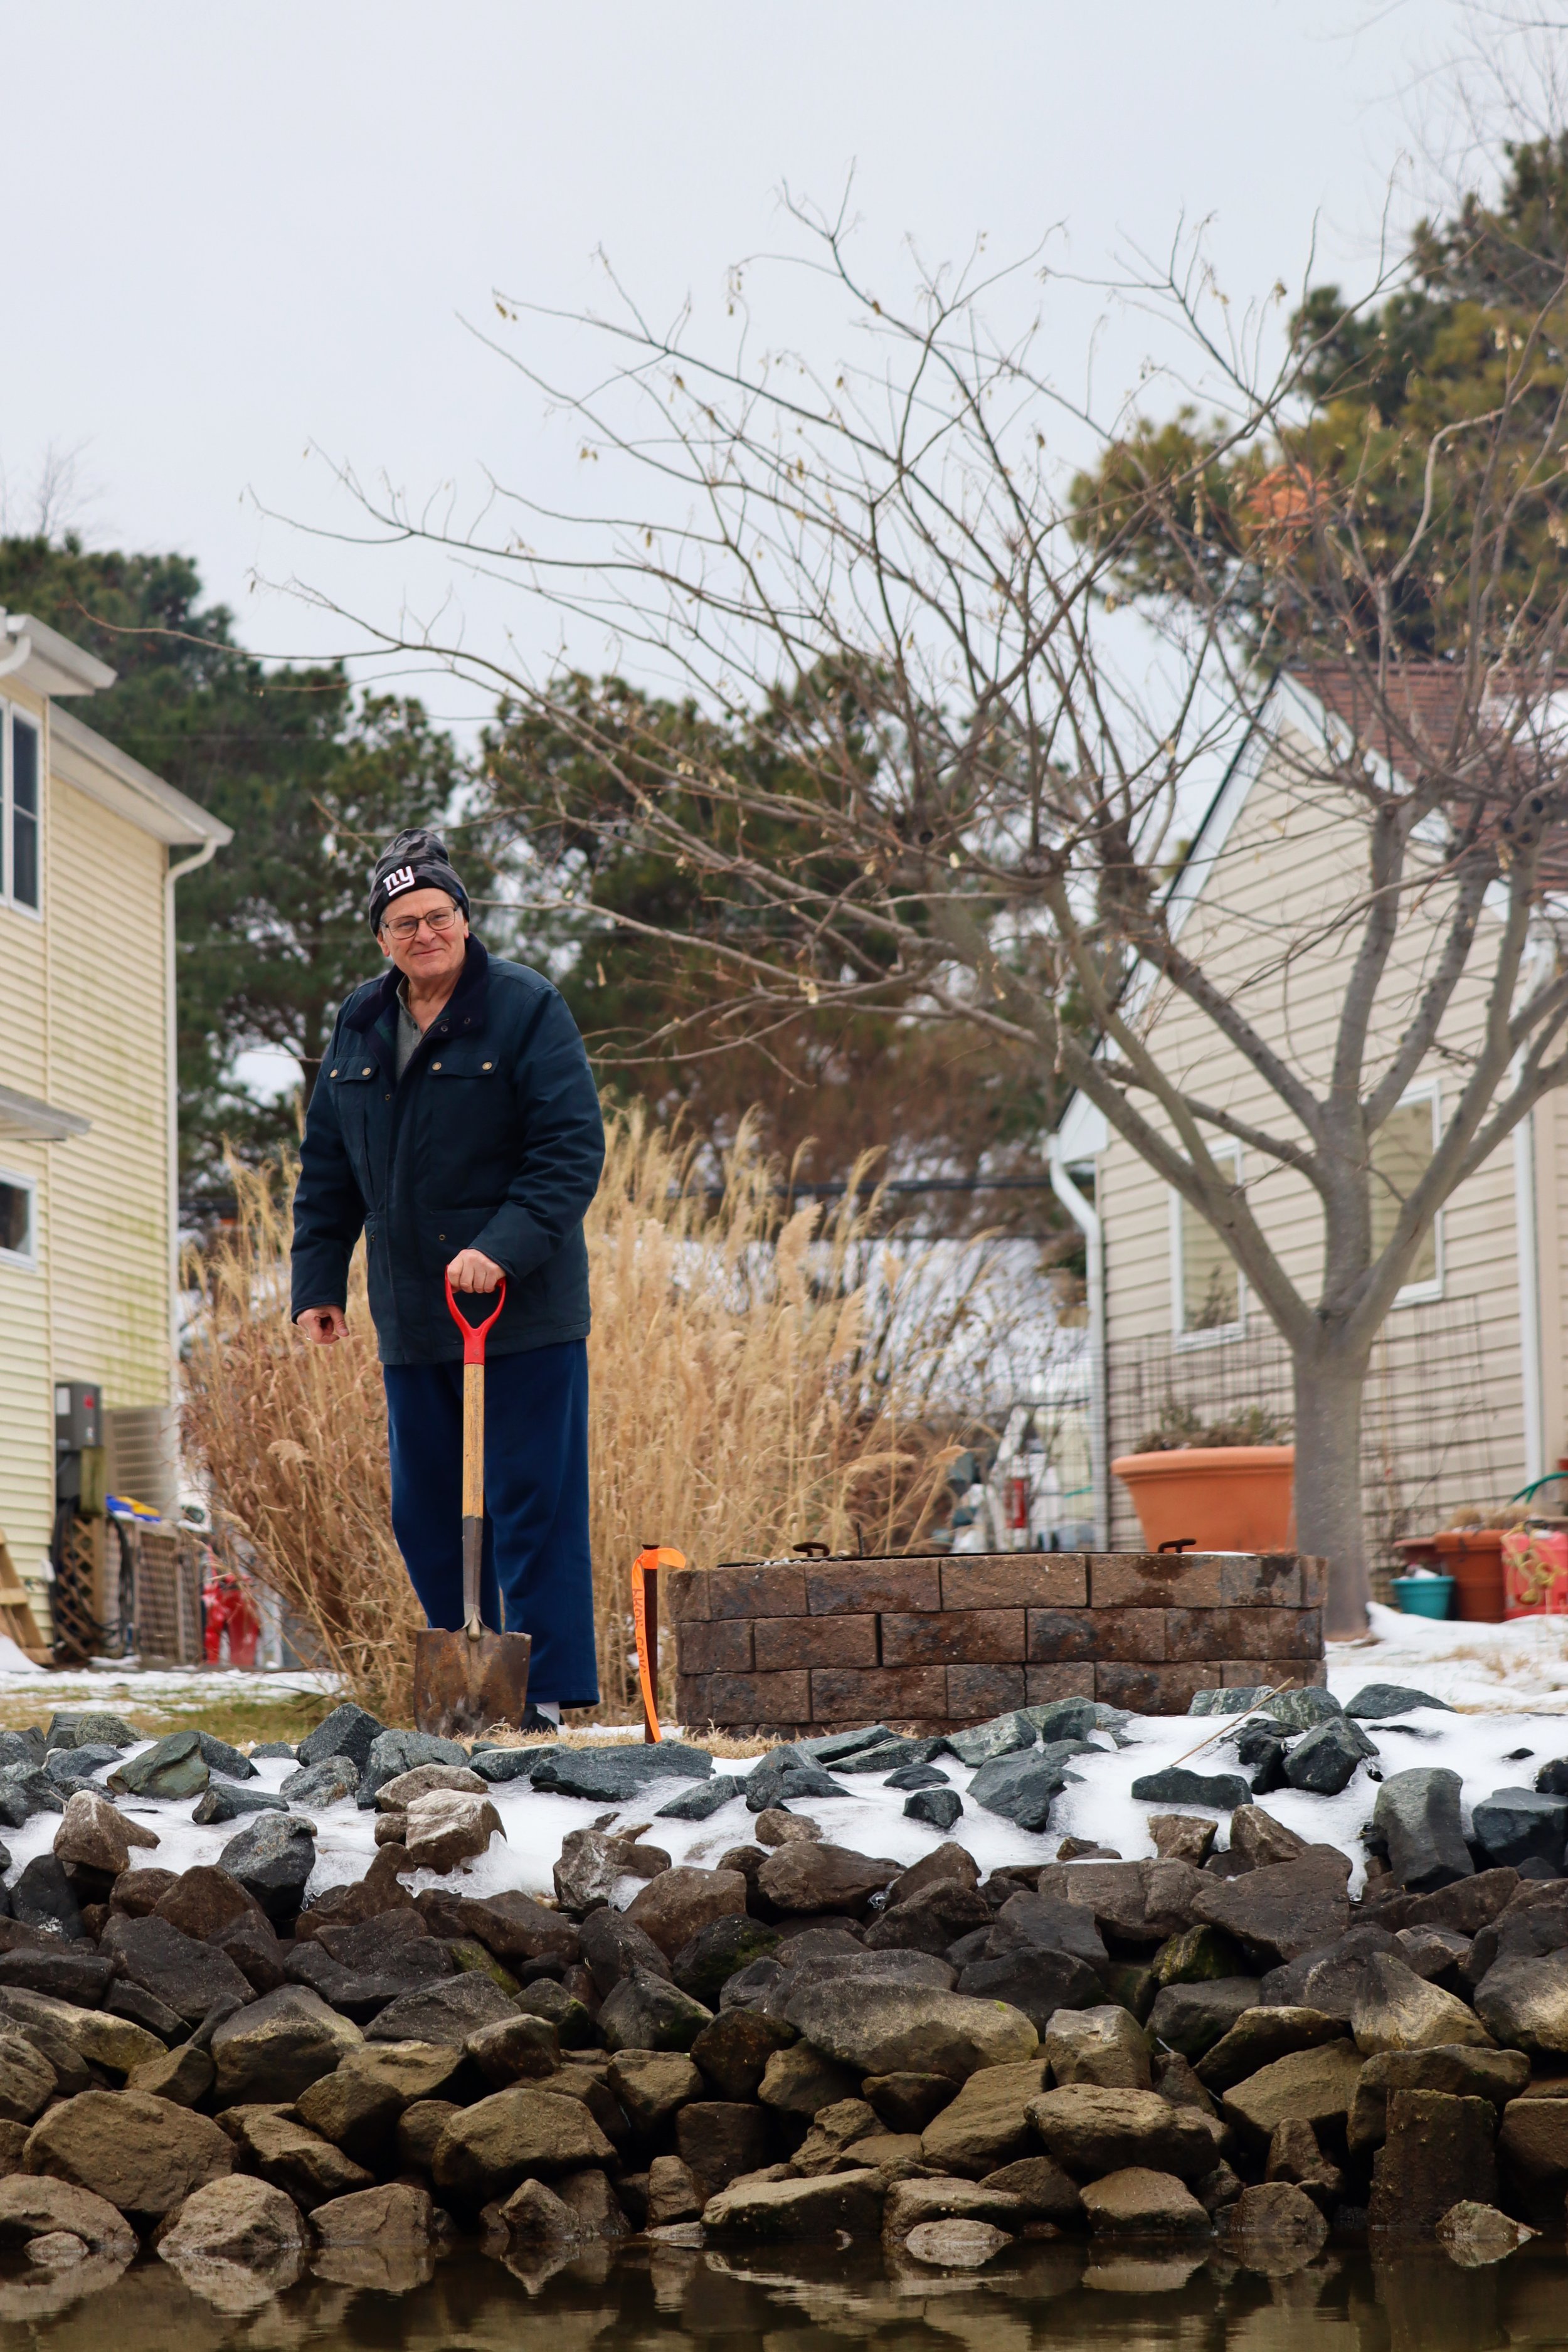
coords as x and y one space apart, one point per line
1423 1596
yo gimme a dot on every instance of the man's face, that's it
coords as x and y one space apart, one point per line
425 936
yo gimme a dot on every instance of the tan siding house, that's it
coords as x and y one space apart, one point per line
90 847
1468 1392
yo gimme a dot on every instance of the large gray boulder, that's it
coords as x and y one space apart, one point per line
347 1731
1464 2072
305 2166
648 2012
447 2011
1285 1908
272 1858
32 2207
175 1767
358 2105
1328 1757
392 1752
1037 1982
1191 2018
279 2046
1511 1825
882 2027
1523 2004
1141 2202
1090 2131
1256 2038
526 2133
189 1977
678 1904
236 2243
805 1876
1417 1813
829 2208
1437 2153
986 2126
96 2036
1022 1787
1316 2087
612 1775
141 2155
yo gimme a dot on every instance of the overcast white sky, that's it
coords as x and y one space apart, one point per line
235 233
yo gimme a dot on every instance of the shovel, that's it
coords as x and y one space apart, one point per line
465 1682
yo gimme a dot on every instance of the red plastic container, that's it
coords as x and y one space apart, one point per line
1535 1572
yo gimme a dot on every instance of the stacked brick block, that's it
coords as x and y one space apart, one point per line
938 1641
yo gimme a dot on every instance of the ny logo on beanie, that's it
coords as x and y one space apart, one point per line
401 879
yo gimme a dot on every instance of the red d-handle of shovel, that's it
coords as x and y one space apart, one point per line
473 1333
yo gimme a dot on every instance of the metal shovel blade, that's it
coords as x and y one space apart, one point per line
462 1686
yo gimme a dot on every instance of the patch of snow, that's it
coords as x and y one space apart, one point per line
1523 1665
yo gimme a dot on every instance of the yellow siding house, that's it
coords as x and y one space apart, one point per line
92 847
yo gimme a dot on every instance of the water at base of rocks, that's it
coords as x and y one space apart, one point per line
812 2299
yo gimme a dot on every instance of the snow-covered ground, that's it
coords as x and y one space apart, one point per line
1507 1683
1485 1750
1518 1666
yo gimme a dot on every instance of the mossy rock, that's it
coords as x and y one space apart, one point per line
1198 1956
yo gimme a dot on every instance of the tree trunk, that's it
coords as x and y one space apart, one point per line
1328 1484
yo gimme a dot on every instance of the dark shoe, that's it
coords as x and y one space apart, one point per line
534 1721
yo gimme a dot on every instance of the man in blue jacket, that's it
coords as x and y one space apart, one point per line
455 1122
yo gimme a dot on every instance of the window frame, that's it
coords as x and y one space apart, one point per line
10 713
1215 1335
1420 1294
28 1259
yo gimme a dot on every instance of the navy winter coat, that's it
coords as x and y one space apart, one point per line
492 1140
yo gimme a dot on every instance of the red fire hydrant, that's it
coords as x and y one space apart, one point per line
227 1608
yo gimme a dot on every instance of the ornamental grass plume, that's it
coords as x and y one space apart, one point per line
761 1375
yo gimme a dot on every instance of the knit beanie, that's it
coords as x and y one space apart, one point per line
414 860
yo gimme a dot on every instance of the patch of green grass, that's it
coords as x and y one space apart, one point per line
238 1720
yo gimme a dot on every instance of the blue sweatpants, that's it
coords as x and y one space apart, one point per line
536 1505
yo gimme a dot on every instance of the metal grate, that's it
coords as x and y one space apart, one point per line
1426 1445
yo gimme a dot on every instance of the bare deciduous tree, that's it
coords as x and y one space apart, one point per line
885 570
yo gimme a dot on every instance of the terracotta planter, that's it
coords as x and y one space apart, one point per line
1473 1558
1225 1498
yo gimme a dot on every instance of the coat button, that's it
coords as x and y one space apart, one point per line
366 1072
331 1074
434 1066
485 1065
386 1098
440 1237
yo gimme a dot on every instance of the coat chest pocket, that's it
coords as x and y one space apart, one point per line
355 1084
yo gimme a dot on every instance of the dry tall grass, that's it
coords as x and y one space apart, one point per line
757 1379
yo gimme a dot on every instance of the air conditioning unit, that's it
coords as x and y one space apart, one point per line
144 1454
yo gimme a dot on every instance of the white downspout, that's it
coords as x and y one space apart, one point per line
1087 1218
172 1049
20 652
1527 1228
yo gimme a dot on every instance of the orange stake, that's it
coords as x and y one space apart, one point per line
644 1619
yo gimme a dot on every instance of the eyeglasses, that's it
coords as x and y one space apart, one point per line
405 926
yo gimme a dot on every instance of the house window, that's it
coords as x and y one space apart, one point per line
18 1244
1206 1288
1401 1152
21 810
